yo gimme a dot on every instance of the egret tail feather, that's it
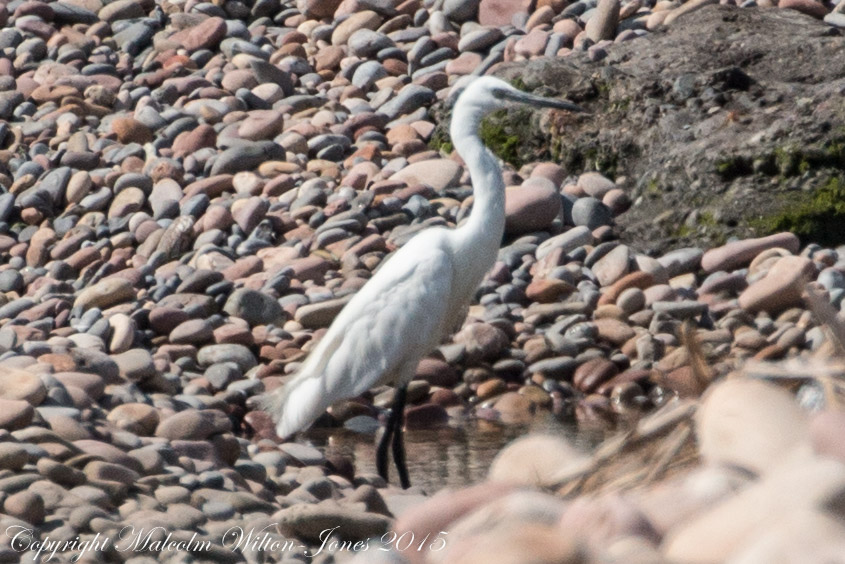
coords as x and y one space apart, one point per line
296 405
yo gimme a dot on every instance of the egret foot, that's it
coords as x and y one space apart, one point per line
393 430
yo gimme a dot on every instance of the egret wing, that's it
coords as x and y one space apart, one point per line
392 322
395 324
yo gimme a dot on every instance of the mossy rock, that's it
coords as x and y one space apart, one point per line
815 217
515 135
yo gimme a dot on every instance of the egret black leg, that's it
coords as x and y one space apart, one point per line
381 453
398 438
389 430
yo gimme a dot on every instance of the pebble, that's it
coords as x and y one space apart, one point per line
11 281
60 473
612 266
533 44
120 10
437 373
460 10
595 184
318 9
602 25
138 418
490 388
593 373
193 425
130 130
426 416
557 368
92 384
12 456
367 74
809 7
439 174
410 98
22 385
482 340
106 471
614 331
495 13
780 288
796 486
590 213
836 18
205 35
256 308
535 461
566 242
618 201
305 454
531 207
514 408
26 506
548 291
638 279
134 365
238 354
321 314
365 19
750 424
817 531
15 414
306 521
680 309
105 294
740 253
681 261
631 300
192 332
479 39
687 8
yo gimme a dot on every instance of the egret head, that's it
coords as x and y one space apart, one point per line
486 94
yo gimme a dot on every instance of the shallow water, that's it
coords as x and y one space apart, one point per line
451 456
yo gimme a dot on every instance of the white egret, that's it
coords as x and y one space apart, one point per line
416 298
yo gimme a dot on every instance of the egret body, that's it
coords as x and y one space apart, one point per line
416 298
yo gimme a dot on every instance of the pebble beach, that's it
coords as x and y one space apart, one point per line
191 191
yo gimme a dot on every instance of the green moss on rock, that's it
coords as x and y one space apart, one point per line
440 141
734 166
792 161
593 156
505 132
519 84
815 217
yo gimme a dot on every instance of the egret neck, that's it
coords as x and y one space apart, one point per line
481 235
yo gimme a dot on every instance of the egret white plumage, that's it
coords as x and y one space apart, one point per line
420 294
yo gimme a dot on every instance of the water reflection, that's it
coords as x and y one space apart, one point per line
451 456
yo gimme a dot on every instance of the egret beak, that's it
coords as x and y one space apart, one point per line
530 99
